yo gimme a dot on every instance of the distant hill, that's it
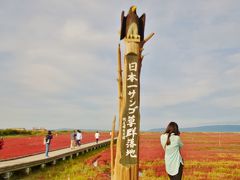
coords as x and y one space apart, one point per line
71 129
213 128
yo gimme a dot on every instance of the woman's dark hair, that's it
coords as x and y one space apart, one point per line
49 132
172 128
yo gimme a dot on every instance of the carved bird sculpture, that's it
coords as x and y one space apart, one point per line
132 27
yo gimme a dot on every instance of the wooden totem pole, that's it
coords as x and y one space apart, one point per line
127 151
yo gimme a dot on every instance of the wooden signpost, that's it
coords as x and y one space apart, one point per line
127 151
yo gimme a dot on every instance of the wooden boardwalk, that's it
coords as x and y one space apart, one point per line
7 168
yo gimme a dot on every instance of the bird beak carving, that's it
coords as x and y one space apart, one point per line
134 8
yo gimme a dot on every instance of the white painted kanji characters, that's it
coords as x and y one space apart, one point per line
132 93
132 110
132 103
124 128
132 66
132 86
131 121
130 129
131 143
131 132
131 153
132 77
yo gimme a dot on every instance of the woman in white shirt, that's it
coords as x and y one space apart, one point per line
79 137
171 144
97 135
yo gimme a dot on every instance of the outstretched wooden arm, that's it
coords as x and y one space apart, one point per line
148 37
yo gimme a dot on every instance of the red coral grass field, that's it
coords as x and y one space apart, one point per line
206 156
15 147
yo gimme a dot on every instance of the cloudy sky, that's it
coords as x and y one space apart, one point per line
58 63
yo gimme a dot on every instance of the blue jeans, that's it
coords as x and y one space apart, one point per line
47 149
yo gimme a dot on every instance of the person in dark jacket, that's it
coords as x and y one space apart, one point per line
48 139
1 142
73 139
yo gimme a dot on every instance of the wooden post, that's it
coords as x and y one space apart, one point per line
28 170
112 144
127 149
43 166
8 175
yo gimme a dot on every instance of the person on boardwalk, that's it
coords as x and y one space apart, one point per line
73 139
79 137
171 143
1 142
97 135
48 139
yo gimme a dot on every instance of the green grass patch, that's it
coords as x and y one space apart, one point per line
71 169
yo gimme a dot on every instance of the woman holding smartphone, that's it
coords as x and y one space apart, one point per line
171 143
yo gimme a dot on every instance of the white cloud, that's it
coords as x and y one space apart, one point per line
229 102
79 31
173 94
45 78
